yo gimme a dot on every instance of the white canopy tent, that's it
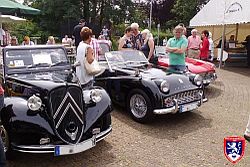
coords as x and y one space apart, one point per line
219 12
222 12
9 19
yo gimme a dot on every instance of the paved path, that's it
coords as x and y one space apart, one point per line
190 139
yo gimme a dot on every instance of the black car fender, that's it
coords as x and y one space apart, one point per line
95 110
16 114
150 88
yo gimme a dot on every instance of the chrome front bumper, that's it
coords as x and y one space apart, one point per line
174 109
80 147
210 78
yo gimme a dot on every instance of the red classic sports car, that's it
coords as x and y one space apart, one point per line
205 69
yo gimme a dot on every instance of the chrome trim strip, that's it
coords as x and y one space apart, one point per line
60 106
104 134
51 148
174 109
64 113
62 103
75 103
165 110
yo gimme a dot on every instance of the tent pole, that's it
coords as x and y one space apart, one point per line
237 32
1 26
222 44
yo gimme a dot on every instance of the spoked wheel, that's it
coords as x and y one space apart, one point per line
139 106
6 143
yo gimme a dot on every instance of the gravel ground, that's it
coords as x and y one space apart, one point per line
190 139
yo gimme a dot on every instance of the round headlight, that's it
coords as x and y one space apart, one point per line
164 86
198 80
34 103
96 95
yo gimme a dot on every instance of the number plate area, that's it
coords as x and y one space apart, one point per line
188 107
73 149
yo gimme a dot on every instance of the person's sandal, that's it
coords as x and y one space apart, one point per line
247 138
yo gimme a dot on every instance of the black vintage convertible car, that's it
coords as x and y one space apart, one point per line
45 110
146 91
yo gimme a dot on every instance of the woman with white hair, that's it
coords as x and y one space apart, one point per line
148 46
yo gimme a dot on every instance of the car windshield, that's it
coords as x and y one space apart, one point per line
122 59
105 47
34 58
160 51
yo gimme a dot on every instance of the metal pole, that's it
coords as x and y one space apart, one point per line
158 27
1 26
222 44
223 35
150 15
237 32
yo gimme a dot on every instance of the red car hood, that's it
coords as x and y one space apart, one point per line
195 66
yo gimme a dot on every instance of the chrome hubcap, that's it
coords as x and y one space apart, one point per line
5 138
138 106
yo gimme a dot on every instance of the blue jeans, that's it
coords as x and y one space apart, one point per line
177 68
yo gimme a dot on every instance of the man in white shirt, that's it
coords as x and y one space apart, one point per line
2 34
66 40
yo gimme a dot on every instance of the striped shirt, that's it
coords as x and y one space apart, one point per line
96 47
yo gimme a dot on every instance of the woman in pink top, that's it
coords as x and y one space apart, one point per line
204 48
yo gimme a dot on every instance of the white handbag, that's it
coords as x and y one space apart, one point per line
93 68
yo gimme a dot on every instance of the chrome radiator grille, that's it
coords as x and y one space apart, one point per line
68 113
183 98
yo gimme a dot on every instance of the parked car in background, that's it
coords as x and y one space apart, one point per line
105 47
145 91
45 110
204 68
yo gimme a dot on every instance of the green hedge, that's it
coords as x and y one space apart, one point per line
162 35
27 28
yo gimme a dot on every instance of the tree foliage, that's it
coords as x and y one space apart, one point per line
185 10
58 17
171 12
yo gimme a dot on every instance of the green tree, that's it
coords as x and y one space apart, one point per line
185 10
54 14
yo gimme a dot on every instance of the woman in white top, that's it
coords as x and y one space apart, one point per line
51 41
84 50
27 41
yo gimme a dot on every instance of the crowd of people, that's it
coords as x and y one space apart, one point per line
200 47
134 39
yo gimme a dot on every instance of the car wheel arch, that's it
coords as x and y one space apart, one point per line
144 89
